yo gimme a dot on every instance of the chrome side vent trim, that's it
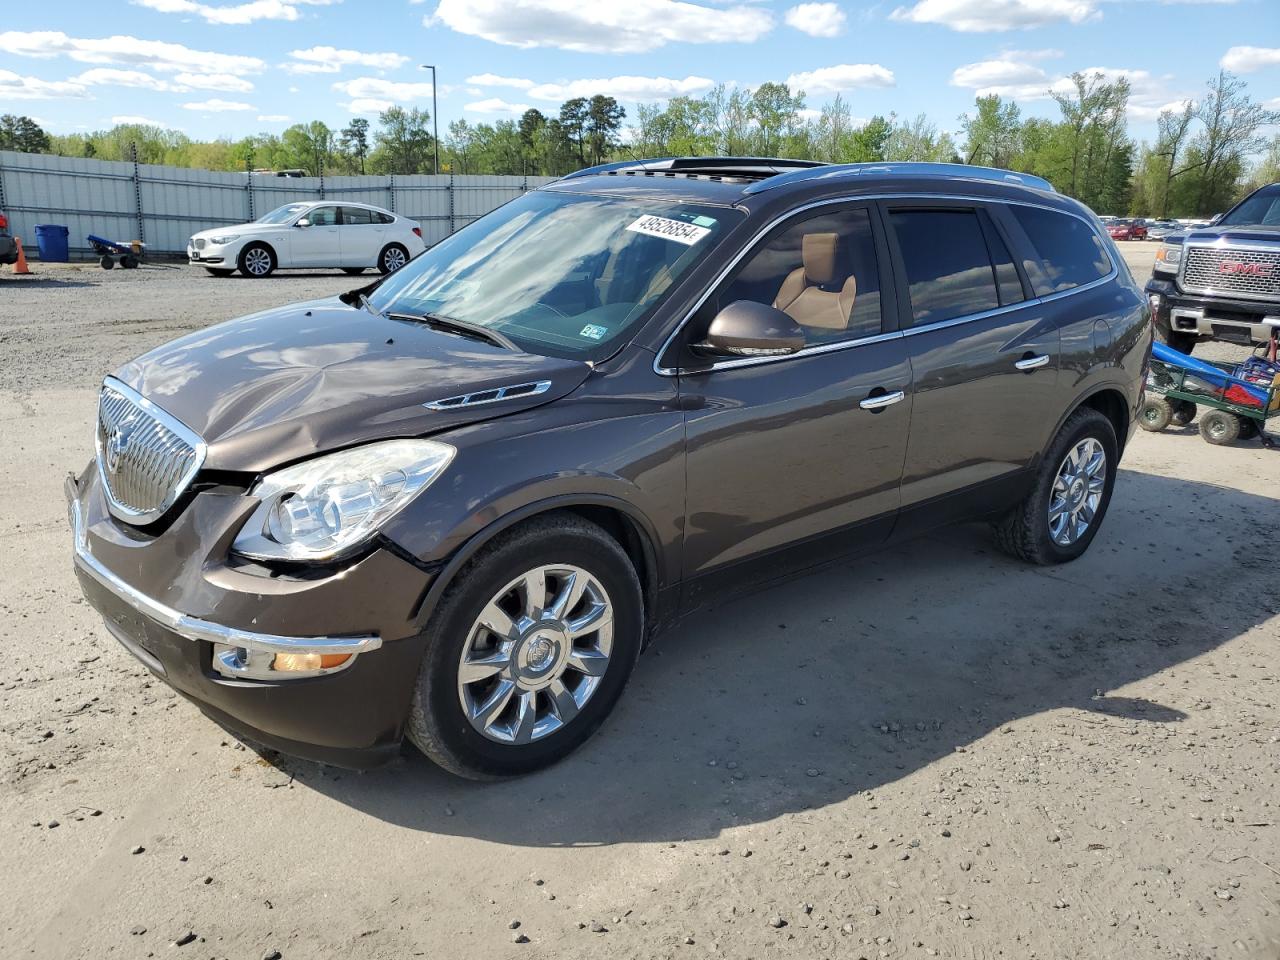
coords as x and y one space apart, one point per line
496 395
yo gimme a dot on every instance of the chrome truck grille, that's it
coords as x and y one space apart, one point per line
146 458
1249 273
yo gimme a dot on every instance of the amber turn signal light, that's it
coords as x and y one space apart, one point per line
290 662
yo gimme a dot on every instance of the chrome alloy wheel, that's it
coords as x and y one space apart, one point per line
394 259
535 654
258 262
1077 491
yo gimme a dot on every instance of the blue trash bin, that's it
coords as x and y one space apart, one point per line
51 241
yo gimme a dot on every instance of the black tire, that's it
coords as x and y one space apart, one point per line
1157 412
1248 428
1219 427
392 258
250 263
1184 411
220 271
438 724
1182 342
353 271
129 262
106 262
1024 531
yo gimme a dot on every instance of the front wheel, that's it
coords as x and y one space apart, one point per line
1156 414
1061 515
392 258
528 651
257 261
1219 427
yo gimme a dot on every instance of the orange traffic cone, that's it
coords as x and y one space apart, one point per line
21 266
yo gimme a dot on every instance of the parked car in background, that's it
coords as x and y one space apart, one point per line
1159 229
8 246
312 233
1127 229
1221 282
455 504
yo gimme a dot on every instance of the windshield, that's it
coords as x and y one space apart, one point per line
282 214
1260 209
562 275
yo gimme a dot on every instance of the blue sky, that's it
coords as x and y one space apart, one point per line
232 67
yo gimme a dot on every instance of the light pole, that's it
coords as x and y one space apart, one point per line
435 117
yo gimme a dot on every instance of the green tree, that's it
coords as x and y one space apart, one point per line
22 134
353 143
869 142
404 142
604 120
992 134
574 118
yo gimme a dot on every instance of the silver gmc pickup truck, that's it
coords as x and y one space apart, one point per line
1221 282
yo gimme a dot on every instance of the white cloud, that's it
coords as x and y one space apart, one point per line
1248 59
273 118
981 16
844 76
216 105
1005 76
129 51
236 13
181 83
373 94
623 88
495 105
332 60
131 119
631 27
213 81
817 19
15 87
493 80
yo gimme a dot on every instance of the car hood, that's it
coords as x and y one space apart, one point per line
281 385
240 229
1242 234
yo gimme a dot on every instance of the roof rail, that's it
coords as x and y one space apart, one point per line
730 166
903 169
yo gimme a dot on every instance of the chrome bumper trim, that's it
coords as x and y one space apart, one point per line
194 628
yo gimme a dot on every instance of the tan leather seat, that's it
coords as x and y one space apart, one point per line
815 295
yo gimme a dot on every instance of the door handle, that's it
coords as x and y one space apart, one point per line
882 400
1033 362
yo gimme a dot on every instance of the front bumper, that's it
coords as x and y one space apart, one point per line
168 602
1246 322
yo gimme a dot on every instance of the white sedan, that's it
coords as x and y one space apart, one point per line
312 233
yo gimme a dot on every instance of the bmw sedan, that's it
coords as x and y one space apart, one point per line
312 233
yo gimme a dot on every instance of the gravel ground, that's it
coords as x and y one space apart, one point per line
941 753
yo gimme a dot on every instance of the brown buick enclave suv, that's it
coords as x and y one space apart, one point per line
455 504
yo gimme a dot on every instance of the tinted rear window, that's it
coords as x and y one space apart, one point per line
1070 252
948 269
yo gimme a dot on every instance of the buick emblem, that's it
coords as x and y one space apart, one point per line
117 442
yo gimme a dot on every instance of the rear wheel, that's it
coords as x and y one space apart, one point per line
1219 427
1248 428
1184 411
1059 518
129 261
392 258
1156 414
528 651
106 261
257 261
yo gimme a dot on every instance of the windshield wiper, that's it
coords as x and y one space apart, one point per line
461 327
364 302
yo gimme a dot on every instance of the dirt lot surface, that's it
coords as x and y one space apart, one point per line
935 753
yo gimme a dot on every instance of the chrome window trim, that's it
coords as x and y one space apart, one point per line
463 401
910 331
170 422
193 628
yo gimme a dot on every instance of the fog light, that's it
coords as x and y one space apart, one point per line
296 662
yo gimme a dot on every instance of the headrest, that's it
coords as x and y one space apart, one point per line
819 252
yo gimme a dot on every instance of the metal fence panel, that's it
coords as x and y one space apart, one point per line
164 205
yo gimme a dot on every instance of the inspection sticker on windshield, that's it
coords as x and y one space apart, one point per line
594 331
677 230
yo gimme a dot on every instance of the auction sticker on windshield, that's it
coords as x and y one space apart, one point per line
677 230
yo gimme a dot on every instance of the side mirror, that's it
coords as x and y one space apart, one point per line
748 329
304 222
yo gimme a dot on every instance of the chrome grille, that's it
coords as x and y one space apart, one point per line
146 458
1230 270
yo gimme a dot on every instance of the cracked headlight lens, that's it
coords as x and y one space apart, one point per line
323 508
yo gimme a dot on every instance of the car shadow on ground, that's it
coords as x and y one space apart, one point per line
849 679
